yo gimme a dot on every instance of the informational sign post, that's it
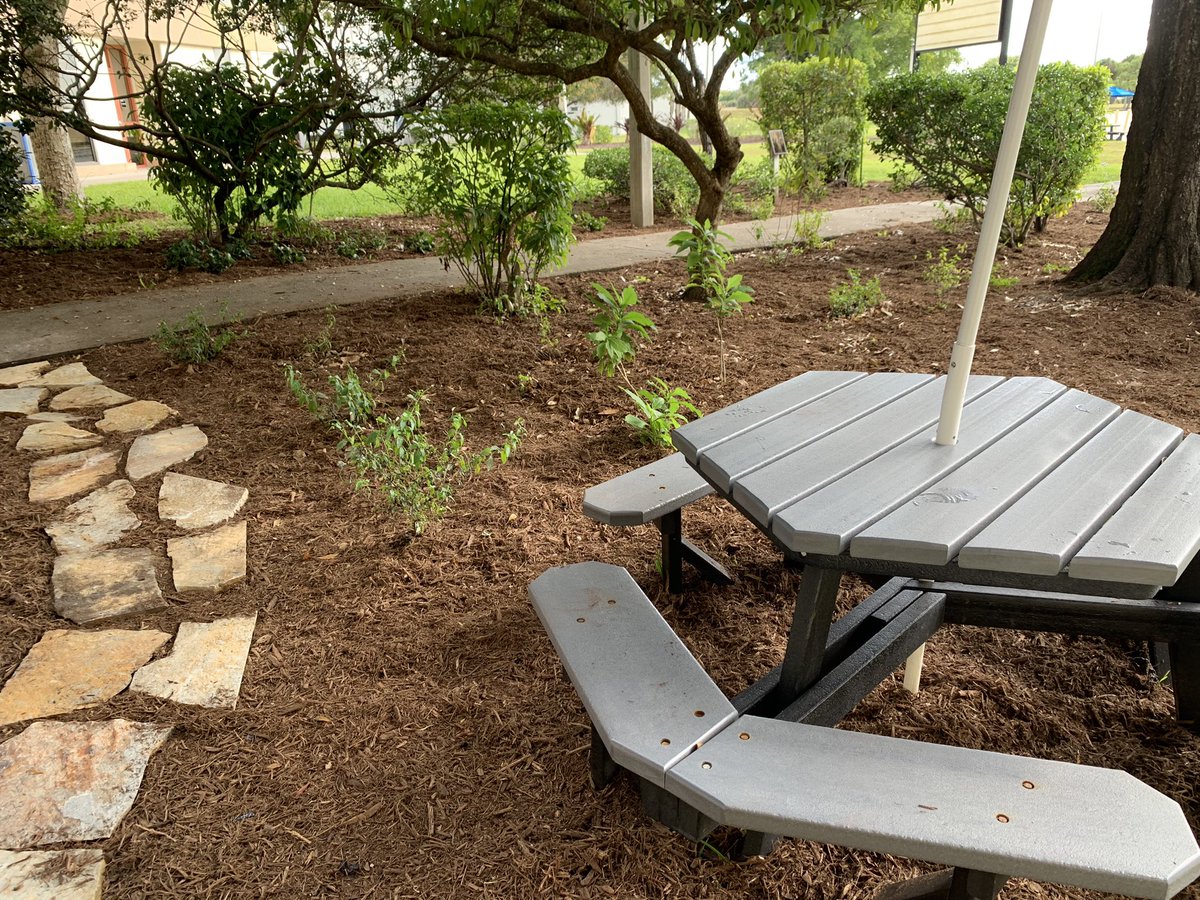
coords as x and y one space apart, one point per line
964 23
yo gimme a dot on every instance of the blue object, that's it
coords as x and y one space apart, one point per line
1115 92
29 167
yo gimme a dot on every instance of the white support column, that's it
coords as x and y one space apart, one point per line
641 181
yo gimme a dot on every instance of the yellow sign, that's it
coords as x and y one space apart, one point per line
960 23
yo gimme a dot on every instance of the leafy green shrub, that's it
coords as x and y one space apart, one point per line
604 134
819 106
421 242
675 190
945 271
189 254
242 158
618 325
660 409
1105 199
394 456
590 222
193 340
12 193
287 254
856 296
498 176
355 244
947 127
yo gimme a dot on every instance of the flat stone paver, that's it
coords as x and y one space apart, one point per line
141 415
68 670
53 417
205 665
11 376
70 375
72 473
52 874
21 401
95 521
151 453
88 396
89 587
55 437
72 781
209 562
197 502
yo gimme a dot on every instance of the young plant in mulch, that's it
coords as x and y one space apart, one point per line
660 410
707 260
193 340
393 455
618 328
856 296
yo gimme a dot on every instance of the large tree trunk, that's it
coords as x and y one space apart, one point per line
50 141
1153 234
56 164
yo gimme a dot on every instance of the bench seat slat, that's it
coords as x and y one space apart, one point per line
647 696
645 494
1096 828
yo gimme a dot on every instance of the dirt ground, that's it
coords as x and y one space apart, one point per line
405 729
36 278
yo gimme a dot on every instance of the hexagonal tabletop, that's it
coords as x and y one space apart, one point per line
1045 482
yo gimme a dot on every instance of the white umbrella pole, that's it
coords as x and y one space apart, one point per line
993 218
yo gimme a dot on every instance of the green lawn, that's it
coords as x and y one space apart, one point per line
336 203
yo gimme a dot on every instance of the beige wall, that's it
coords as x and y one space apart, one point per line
179 31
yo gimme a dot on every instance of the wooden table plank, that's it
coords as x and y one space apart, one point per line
1154 535
733 420
978 491
1042 530
753 449
765 491
825 521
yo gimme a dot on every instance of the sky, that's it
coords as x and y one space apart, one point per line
1081 31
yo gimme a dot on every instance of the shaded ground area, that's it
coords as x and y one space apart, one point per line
405 729
36 278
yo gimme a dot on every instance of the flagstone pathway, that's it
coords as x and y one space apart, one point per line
75 781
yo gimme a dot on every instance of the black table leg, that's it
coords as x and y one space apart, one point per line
810 628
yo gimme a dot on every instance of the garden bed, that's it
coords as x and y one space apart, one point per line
404 729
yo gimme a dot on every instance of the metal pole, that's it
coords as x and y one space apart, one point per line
989 235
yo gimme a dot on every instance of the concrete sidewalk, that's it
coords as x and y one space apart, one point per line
28 334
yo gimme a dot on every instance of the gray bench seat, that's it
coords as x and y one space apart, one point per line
661 716
657 493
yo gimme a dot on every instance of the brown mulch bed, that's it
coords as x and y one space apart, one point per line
405 729
36 278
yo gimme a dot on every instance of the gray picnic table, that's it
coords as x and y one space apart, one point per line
1056 511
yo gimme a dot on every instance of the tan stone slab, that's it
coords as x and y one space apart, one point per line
141 415
151 453
55 437
70 375
52 874
71 473
21 401
11 376
210 561
69 670
197 502
95 521
205 666
89 587
72 781
53 417
87 397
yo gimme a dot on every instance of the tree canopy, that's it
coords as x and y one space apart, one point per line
1125 72
570 41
